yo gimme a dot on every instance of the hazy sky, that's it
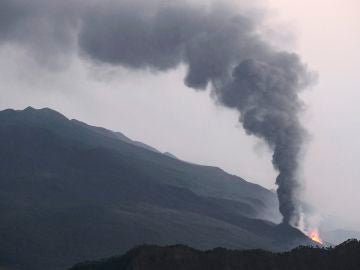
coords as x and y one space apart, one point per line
160 110
328 38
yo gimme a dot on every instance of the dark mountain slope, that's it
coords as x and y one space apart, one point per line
71 193
344 256
116 135
208 181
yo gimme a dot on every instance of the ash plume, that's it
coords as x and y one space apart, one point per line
220 46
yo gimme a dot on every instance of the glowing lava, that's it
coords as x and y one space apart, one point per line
315 236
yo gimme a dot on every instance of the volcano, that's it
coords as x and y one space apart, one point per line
72 192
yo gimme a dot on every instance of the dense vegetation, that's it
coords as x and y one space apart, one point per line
343 257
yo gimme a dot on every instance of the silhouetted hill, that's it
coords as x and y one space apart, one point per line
343 257
71 192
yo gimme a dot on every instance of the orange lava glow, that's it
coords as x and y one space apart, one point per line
315 236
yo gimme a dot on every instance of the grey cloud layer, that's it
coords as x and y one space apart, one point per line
220 48
45 29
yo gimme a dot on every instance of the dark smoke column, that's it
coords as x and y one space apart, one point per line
223 52
266 95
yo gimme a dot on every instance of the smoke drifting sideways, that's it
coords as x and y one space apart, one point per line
221 47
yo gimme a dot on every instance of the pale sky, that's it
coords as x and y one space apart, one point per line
159 110
328 38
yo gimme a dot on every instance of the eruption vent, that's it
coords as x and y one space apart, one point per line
315 236
220 46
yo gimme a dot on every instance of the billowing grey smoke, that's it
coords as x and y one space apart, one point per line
220 47
265 93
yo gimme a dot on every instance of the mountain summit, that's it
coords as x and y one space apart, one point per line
72 192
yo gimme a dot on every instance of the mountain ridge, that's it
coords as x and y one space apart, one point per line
70 193
180 257
35 113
